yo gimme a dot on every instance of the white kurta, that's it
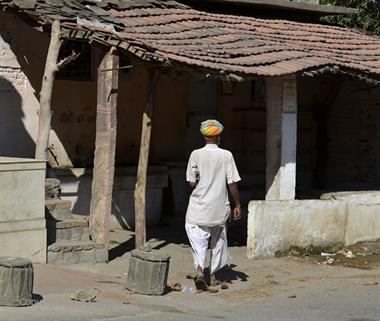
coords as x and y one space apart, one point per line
212 168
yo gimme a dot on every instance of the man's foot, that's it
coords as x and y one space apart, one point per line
214 281
200 283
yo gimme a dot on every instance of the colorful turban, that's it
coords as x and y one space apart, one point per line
211 128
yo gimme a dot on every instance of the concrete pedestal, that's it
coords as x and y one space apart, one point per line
16 281
22 208
148 272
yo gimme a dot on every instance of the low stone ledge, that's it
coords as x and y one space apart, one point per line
363 214
275 226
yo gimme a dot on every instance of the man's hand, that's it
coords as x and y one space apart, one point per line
192 184
233 189
237 213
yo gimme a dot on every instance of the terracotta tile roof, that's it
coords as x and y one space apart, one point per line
220 43
249 46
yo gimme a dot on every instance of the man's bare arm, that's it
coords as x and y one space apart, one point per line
234 191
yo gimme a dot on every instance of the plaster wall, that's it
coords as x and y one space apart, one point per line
22 224
23 52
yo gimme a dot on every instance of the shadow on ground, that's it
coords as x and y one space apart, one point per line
172 231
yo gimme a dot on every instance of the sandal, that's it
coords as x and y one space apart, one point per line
200 283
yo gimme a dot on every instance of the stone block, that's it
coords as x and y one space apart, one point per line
16 281
86 256
148 272
101 255
58 209
68 234
70 257
73 252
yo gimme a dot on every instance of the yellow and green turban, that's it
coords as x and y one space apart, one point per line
211 128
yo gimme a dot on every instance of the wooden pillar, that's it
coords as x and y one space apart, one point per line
51 67
281 146
105 145
46 92
140 190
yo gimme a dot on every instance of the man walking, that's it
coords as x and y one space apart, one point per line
211 172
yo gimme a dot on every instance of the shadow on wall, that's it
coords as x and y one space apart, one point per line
15 141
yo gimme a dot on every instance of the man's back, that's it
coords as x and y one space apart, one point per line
209 172
212 168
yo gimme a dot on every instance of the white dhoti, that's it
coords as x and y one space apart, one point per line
200 238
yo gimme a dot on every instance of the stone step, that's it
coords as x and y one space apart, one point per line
67 230
73 252
58 209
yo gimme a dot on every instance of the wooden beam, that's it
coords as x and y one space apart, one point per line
140 190
105 146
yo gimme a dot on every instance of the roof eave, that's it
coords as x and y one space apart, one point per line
308 8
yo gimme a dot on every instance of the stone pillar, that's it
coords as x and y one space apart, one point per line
281 145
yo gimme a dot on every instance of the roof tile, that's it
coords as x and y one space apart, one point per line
235 44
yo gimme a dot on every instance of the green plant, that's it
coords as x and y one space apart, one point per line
368 17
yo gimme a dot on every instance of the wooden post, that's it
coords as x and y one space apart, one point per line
51 67
140 190
105 146
46 92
